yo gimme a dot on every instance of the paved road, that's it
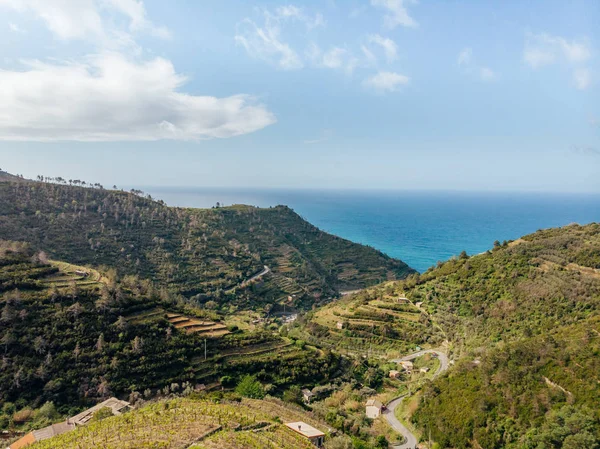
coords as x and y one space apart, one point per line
264 271
410 440
258 275
443 358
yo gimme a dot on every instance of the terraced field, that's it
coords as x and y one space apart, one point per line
179 423
68 274
371 321
239 357
205 328
193 325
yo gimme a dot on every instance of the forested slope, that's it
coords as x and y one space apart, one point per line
204 254
524 322
72 340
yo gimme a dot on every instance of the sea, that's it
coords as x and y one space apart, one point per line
420 228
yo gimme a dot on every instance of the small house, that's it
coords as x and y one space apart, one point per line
115 405
407 366
402 300
315 436
307 395
424 370
394 374
339 325
373 408
43 434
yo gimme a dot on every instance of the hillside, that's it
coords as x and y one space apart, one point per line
204 254
374 322
7 177
73 336
177 423
524 323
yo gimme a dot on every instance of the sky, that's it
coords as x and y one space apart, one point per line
356 94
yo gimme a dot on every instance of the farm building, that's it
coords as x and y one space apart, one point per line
373 408
315 436
307 395
394 374
117 407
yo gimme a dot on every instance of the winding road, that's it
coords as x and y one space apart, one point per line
410 440
264 271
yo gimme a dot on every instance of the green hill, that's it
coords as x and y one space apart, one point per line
72 337
524 323
203 254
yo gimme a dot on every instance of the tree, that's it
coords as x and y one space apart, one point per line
100 343
249 387
381 442
137 344
293 394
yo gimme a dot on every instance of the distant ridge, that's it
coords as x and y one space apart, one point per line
7 177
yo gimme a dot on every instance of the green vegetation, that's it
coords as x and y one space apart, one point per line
178 423
75 338
249 387
207 255
524 321
521 323
373 322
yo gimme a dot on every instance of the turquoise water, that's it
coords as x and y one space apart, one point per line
419 228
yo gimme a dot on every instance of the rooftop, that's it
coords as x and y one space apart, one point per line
113 403
374 403
305 429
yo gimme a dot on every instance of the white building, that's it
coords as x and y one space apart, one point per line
373 408
315 436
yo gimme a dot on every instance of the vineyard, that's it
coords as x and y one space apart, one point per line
376 321
179 423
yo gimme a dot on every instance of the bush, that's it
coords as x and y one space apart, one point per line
249 387
293 394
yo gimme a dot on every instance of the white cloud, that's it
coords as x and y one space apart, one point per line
369 56
467 61
486 73
109 98
334 58
397 14
465 56
389 46
386 81
136 11
293 12
111 95
86 19
266 43
543 49
582 78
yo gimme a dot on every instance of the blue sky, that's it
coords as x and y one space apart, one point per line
388 94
